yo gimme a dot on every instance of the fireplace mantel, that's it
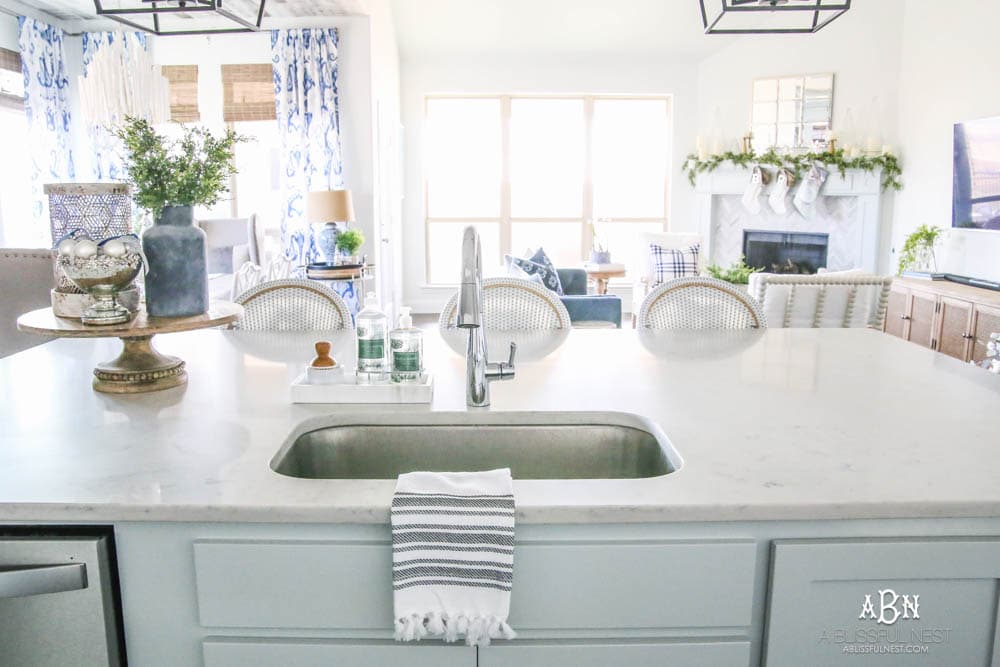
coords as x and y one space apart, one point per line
848 209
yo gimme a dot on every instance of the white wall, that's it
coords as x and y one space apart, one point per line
948 74
539 73
9 32
862 48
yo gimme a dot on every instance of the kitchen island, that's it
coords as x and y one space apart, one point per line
818 466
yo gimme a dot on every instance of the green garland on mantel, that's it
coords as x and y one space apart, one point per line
799 164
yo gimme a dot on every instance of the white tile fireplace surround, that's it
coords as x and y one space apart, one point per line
848 209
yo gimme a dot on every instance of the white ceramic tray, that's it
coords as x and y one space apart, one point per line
346 390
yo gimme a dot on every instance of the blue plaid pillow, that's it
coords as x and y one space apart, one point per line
670 263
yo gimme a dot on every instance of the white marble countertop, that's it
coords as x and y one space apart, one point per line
779 424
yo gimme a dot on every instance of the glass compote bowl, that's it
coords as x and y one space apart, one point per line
102 270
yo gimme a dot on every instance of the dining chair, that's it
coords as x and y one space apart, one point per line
699 303
292 305
843 299
514 304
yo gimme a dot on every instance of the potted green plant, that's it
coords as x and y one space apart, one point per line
918 250
169 177
348 243
738 272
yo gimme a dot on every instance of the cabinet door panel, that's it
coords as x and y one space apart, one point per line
240 652
987 322
679 654
921 320
956 327
896 312
818 612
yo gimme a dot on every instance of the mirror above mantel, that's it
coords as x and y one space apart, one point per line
792 112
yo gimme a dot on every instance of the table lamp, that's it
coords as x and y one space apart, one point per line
328 207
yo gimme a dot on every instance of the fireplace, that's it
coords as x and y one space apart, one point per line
785 252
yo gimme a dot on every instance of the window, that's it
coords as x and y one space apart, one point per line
183 85
531 171
15 169
248 93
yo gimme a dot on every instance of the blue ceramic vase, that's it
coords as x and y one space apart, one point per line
177 281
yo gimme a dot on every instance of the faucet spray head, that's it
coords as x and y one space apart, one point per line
470 291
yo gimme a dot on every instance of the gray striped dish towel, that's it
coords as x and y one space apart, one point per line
453 555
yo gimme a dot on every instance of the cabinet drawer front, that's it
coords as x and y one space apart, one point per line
317 653
656 585
556 586
679 654
289 584
819 614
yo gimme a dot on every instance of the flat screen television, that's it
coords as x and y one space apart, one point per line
976 178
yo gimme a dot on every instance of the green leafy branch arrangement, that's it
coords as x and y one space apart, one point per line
922 240
738 272
193 170
800 164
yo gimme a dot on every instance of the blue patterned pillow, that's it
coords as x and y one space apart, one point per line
522 267
670 263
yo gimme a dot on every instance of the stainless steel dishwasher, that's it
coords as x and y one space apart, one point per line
59 605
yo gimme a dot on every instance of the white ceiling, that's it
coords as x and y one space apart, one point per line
80 13
647 28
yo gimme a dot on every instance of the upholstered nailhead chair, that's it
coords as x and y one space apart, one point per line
293 305
514 304
825 300
699 303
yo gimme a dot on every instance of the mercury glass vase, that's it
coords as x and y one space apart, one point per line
177 281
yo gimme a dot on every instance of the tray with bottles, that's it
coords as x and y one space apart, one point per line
344 387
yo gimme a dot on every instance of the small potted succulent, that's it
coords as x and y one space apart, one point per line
348 243
170 177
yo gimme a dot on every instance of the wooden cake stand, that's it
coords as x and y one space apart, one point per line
139 368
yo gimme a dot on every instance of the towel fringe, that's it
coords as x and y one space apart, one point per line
477 630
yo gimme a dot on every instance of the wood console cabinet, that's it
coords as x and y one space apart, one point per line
951 318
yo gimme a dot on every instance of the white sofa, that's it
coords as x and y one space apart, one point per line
826 300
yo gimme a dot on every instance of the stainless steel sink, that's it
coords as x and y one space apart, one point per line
534 445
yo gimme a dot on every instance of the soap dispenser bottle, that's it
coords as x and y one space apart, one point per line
372 328
406 349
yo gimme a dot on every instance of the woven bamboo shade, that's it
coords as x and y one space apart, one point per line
183 81
247 92
10 60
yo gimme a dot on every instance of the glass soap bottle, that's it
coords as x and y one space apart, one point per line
372 328
406 348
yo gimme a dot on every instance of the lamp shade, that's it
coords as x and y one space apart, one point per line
329 206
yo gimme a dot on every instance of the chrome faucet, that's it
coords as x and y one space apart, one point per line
478 371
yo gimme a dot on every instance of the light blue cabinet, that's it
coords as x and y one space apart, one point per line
892 603
306 653
780 594
611 654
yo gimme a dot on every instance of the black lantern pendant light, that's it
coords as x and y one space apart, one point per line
769 17
183 17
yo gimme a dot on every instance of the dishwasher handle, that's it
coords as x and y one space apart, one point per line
18 581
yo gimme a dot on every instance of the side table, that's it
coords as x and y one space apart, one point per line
602 273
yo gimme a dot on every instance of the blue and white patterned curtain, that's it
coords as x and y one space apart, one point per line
305 92
46 107
107 153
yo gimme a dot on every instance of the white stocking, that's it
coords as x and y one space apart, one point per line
805 197
751 196
778 199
